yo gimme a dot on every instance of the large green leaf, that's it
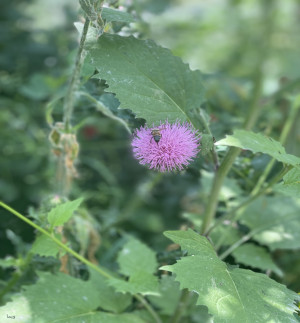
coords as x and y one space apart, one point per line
136 257
259 143
62 299
147 78
256 257
274 221
62 212
231 294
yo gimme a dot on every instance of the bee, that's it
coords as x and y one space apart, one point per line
156 135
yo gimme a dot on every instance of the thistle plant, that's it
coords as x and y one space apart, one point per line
175 148
229 217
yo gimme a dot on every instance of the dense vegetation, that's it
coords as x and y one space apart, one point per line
88 234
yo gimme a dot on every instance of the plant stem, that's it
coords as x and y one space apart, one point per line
284 134
207 128
79 257
181 306
229 215
236 245
69 98
233 152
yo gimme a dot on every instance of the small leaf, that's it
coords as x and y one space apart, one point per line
274 221
256 257
110 14
63 212
259 143
291 183
8 262
136 257
147 78
231 294
44 246
139 283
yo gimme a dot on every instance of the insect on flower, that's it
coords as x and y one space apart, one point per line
156 134
179 144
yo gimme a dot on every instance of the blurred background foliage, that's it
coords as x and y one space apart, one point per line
248 52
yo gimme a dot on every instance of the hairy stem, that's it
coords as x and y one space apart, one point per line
69 98
79 257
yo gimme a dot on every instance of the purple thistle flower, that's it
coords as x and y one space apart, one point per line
175 147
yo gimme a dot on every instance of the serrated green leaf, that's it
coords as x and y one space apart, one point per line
61 298
256 257
21 308
139 283
136 257
63 212
291 183
190 241
8 262
109 299
147 78
274 221
169 295
110 14
259 143
44 246
232 294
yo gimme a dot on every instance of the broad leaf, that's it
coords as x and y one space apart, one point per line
9 262
231 294
63 299
109 299
274 221
147 78
257 257
259 143
110 14
44 246
139 283
63 212
136 257
291 183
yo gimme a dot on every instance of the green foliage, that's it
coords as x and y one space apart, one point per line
44 246
274 221
147 78
256 257
42 302
110 14
138 262
291 183
63 212
259 143
231 294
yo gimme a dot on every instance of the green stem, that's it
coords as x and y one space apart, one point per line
181 306
11 283
284 134
69 98
230 215
236 245
79 257
207 129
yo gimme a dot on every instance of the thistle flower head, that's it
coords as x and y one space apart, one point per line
167 147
